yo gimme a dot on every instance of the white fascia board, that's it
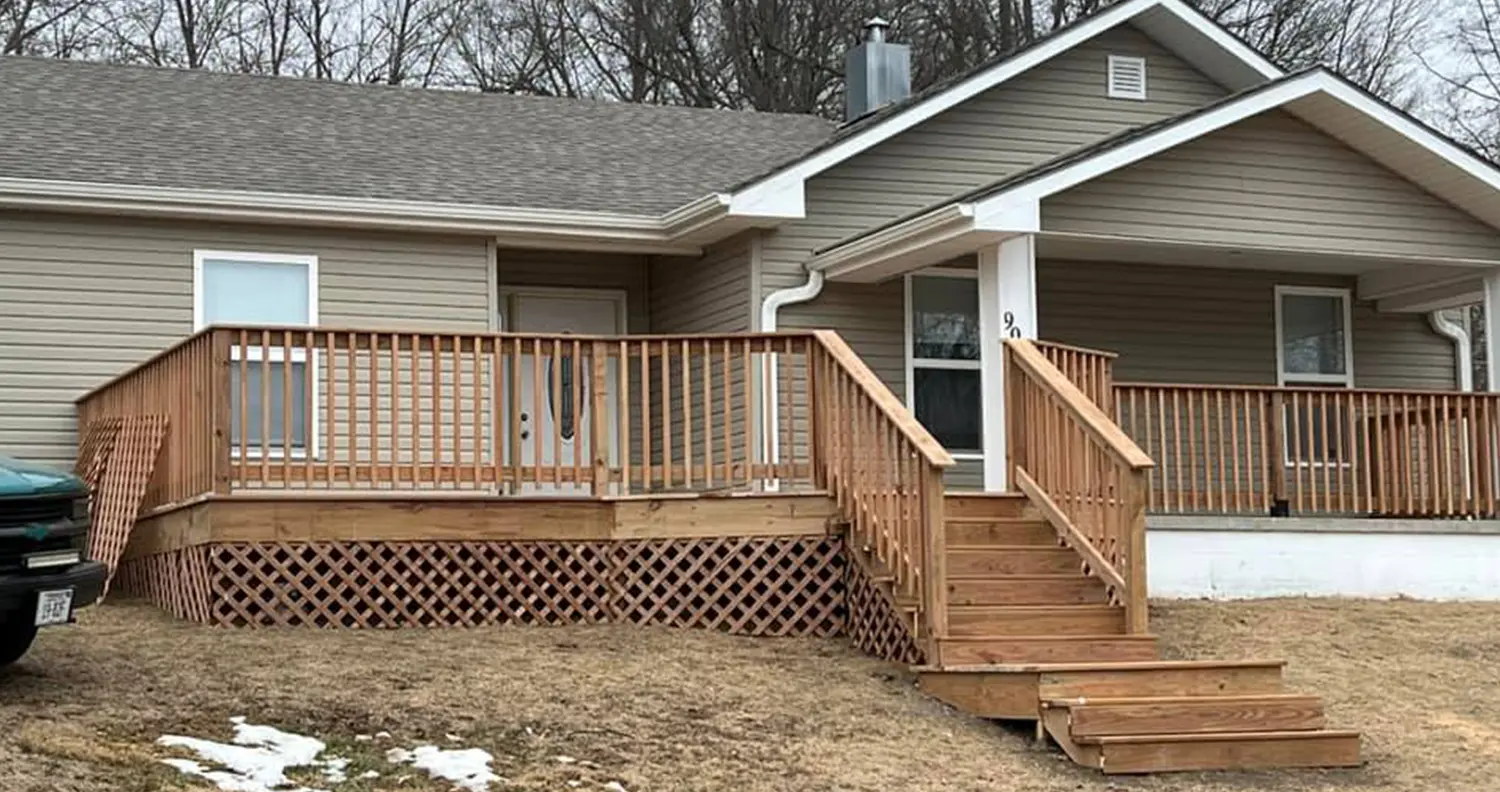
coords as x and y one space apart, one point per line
780 193
1317 82
923 230
514 224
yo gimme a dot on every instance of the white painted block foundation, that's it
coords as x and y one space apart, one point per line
1382 563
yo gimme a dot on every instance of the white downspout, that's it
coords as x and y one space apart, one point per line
1463 366
769 308
1463 363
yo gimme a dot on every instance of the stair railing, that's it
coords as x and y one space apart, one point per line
1081 470
886 473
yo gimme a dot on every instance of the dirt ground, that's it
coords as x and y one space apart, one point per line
675 710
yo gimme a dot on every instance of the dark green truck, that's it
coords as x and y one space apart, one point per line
44 572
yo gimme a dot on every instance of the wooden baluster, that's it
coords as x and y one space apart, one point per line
575 409
667 458
728 415
1365 439
648 475
1449 481
513 412
599 412
706 374
1434 451
476 409
623 367
687 416
749 401
1219 449
1322 421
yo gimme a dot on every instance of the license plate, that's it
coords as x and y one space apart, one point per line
54 607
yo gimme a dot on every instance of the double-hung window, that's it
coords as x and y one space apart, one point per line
262 289
942 348
1313 349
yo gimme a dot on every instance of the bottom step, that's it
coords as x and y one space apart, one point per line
1010 649
1152 753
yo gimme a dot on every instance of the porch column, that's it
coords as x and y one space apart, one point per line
1492 330
1007 309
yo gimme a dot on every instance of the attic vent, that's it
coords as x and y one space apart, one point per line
1127 77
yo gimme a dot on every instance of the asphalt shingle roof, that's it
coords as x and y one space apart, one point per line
92 122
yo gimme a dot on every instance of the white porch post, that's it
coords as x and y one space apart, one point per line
1007 309
1492 330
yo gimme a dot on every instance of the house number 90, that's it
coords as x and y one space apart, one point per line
1010 325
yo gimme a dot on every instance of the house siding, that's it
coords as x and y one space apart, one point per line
1271 181
85 298
582 270
1052 109
1217 326
711 294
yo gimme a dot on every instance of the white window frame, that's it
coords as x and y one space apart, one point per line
276 354
913 363
1116 61
1283 379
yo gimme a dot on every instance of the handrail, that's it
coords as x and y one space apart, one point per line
885 470
1089 415
890 406
1085 475
1092 370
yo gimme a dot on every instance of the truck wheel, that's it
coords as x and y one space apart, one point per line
16 635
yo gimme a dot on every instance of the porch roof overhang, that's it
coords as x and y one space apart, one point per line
685 230
1013 206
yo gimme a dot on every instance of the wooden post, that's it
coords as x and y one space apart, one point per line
599 410
814 419
1136 608
220 409
936 549
1276 455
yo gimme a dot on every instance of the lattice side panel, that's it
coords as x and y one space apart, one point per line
876 624
94 444
175 581
404 584
746 586
122 484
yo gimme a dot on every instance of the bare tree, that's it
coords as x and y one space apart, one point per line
1469 104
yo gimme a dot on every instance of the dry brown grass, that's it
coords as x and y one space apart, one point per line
668 710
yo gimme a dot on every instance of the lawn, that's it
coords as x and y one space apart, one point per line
666 710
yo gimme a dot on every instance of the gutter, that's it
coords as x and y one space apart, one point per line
663 233
1463 361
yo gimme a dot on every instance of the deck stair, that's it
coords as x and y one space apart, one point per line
1031 635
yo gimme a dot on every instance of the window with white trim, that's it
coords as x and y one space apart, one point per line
942 353
231 287
1313 349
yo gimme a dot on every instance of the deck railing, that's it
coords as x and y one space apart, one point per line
1310 451
886 471
1084 474
1091 370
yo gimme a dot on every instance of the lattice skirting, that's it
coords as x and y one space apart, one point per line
747 586
875 623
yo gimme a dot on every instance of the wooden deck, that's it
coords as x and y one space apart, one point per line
460 480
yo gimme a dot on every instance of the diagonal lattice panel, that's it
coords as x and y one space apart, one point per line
751 586
875 623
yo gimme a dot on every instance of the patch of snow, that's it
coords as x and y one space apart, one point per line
363 738
257 759
384 735
454 738
368 774
565 759
468 768
615 786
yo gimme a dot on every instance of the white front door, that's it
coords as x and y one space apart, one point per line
555 431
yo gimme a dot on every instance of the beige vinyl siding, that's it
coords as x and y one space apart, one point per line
581 270
709 294
84 298
1217 326
1271 181
1036 116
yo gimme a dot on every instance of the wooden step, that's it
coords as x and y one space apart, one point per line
1113 717
1075 589
1161 678
982 531
982 649
969 560
1151 753
964 620
976 504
